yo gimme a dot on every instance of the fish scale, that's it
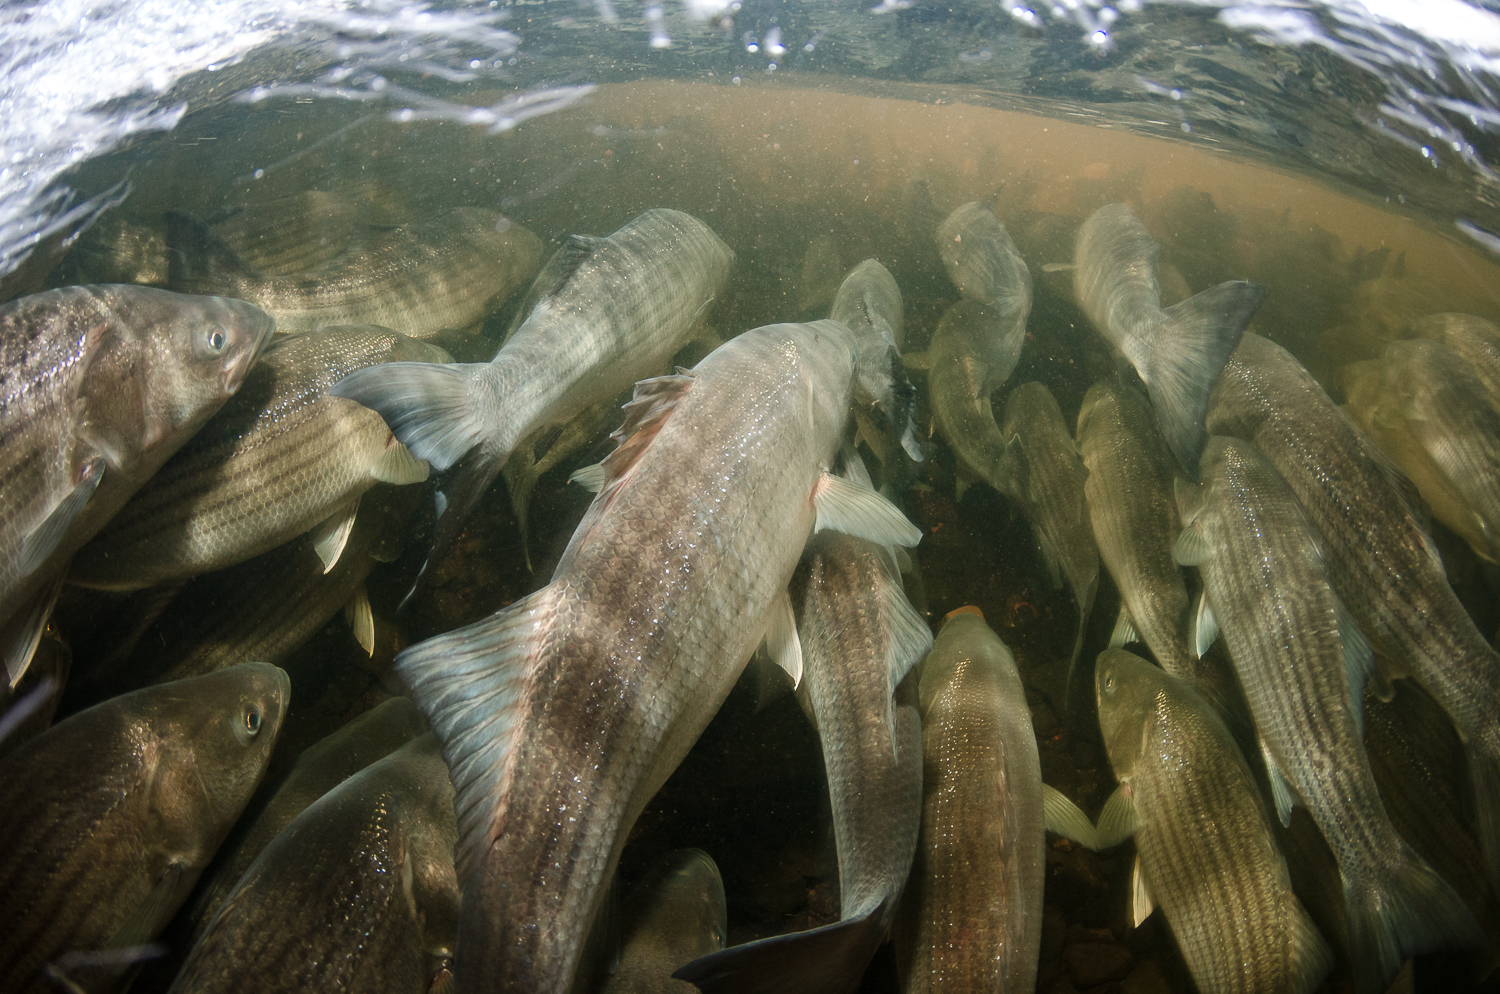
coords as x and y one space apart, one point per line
1380 562
1264 577
278 459
1204 842
563 714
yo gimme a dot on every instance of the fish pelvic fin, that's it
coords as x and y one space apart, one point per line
469 683
1192 348
1062 816
1119 819
818 961
1402 910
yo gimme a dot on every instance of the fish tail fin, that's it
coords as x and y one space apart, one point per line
435 410
818 961
199 261
1401 910
1484 770
1199 335
468 684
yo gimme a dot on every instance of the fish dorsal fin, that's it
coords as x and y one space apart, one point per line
361 619
398 466
44 538
197 259
1119 819
1140 897
468 683
908 636
553 276
1061 815
332 534
782 643
1124 630
1281 791
854 510
1205 625
650 405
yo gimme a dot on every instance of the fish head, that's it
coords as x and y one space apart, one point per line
226 722
194 354
690 892
1129 690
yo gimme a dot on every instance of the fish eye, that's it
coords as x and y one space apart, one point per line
252 721
216 340
1109 683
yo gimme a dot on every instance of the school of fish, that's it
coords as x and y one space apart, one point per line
243 426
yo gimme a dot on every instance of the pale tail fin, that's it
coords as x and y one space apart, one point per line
1403 910
468 683
1195 343
827 960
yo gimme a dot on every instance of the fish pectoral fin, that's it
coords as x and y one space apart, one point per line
1119 819
1050 560
397 465
46 536
1015 471
1141 905
22 632
854 510
1124 630
468 683
1205 626
332 534
591 478
1281 790
361 619
782 643
1061 815
1193 547
147 921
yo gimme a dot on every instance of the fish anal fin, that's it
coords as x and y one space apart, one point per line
1281 791
1141 905
854 510
22 632
361 619
46 536
332 534
782 642
591 478
468 683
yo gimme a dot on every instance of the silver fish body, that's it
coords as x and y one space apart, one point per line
1297 654
869 304
563 714
960 382
972 909
859 638
357 894
676 914
99 386
278 459
1382 564
1048 480
1134 516
446 271
1206 855
603 313
108 817
1473 338
983 262
1178 352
